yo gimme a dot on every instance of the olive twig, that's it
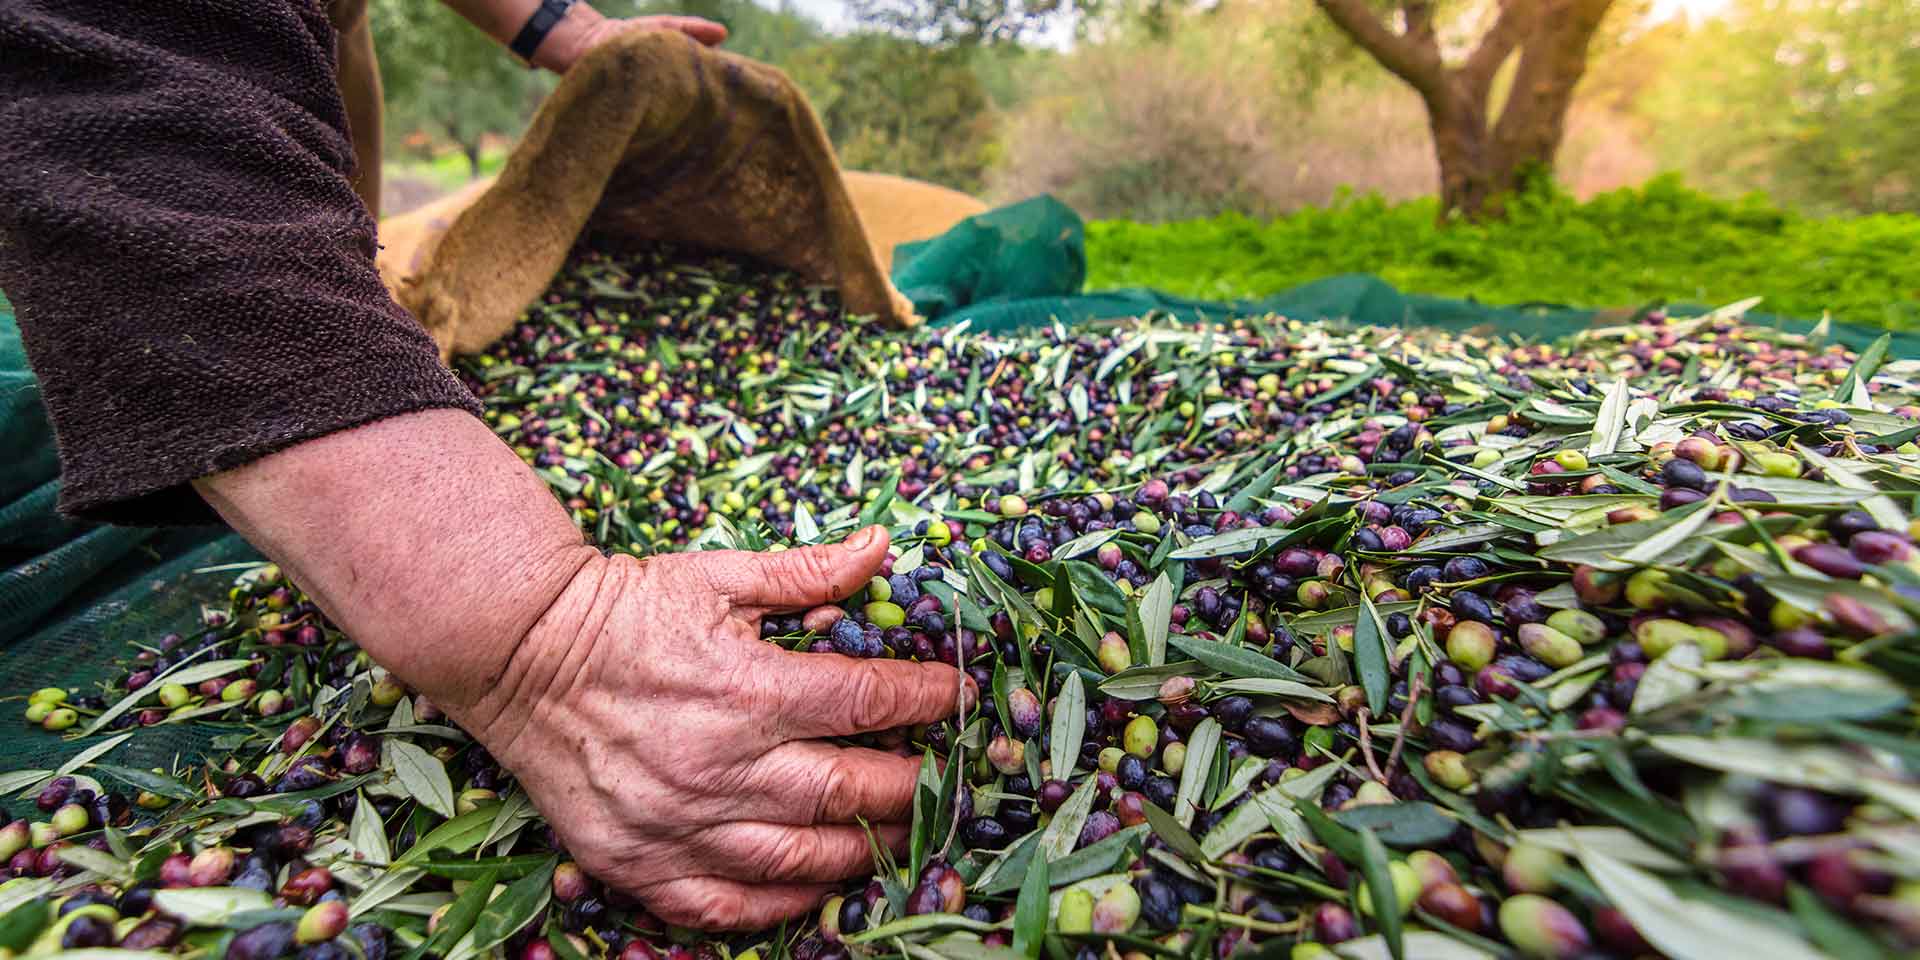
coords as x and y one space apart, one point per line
1366 747
1414 688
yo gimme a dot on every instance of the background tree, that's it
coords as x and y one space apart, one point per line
772 33
891 105
1484 154
959 23
1817 103
444 77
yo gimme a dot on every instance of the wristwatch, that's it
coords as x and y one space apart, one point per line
549 13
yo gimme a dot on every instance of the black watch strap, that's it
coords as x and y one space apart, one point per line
528 40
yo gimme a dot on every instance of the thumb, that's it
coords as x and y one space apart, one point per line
706 31
803 577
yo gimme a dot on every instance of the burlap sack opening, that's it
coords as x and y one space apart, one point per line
650 138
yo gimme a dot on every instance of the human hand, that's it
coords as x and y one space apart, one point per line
583 29
676 753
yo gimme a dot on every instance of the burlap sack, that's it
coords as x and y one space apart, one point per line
893 210
651 137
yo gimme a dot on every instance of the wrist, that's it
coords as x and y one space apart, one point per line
422 535
551 659
569 39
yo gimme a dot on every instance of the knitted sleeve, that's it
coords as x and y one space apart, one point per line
192 273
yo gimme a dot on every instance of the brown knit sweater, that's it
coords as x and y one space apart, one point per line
192 272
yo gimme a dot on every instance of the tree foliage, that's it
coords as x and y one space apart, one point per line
959 23
1818 103
891 105
442 76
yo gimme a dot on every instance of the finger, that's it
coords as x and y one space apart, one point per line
783 853
715 903
829 695
811 782
706 31
797 579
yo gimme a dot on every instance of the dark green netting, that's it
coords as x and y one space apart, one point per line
72 595
995 271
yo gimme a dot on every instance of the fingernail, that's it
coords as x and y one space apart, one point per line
969 693
863 539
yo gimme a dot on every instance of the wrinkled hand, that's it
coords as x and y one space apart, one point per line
583 30
676 753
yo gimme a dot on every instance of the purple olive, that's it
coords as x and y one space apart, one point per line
264 942
1099 826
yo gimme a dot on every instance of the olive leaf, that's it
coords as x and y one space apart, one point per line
1264 808
149 781
1110 854
1385 896
21 891
1467 535
1319 623
1409 824
1069 726
209 906
1003 873
1807 765
1229 543
1622 546
1194 773
1083 543
424 777
1611 421
1030 912
512 909
1176 835
1234 660
1668 680
1853 388
28 780
1060 836
1685 929
185 673
1250 492
1370 656
92 753
457 921
1833 933
1156 617
1271 687
100 862
1143 683
458 835
368 834
21 925
1617 842
921 924
1810 595
1423 944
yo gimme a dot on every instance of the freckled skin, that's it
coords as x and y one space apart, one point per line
588 676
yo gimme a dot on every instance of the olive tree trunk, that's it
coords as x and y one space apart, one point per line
1482 157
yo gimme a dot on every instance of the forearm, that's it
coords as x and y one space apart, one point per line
502 19
421 535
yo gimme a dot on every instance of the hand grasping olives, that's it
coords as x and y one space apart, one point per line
675 751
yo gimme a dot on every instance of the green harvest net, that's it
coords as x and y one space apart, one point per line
73 595
1023 265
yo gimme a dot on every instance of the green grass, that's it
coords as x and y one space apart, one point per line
1622 249
447 170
